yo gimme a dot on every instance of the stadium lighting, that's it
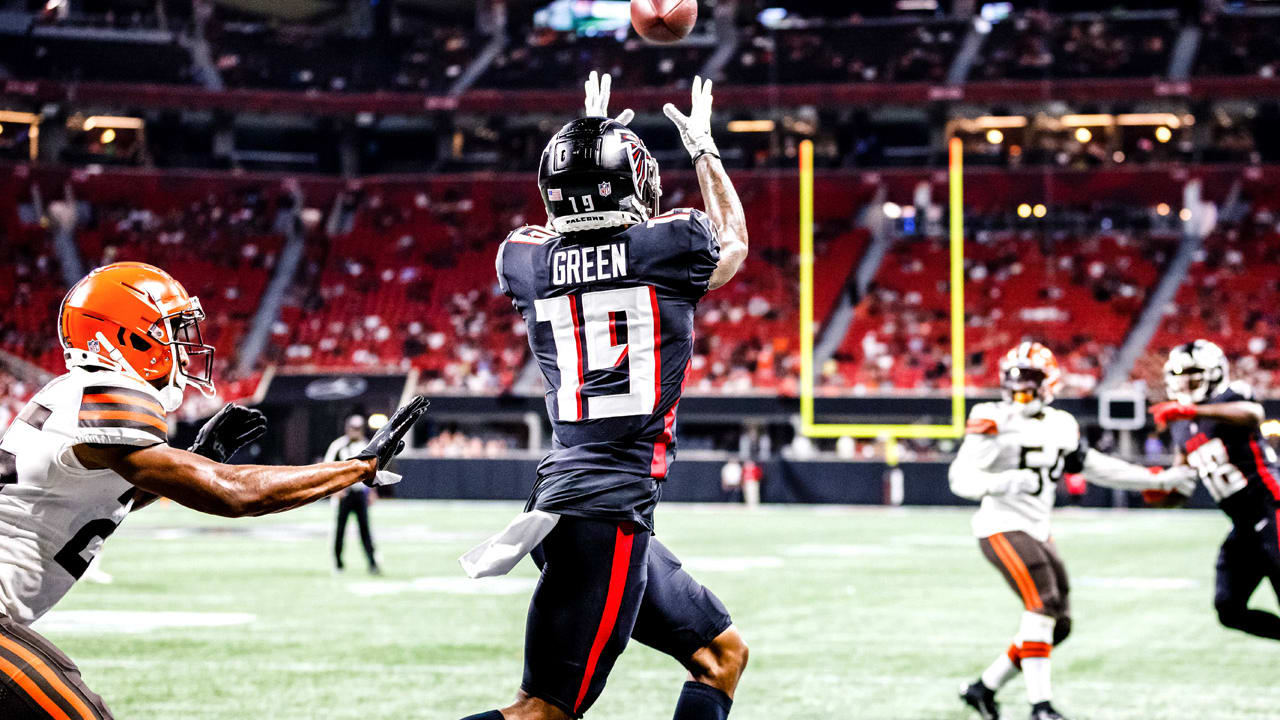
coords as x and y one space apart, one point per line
1164 134
1039 210
1024 211
994 136
108 136
1 129
892 210
1271 428
1184 214
1094 120
748 126
376 421
1162 209
112 121
1117 157
1083 135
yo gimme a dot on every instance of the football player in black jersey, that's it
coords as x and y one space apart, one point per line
608 290
1215 424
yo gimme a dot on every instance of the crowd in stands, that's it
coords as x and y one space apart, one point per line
845 52
1232 297
1036 44
14 393
1077 293
1240 45
537 58
302 58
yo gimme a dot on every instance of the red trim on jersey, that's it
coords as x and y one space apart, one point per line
612 604
1264 472
613 329
536 236
577 348
1196 441
658 466
657 347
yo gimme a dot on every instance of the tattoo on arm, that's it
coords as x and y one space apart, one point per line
727 217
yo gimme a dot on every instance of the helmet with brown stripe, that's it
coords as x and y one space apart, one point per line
1030 377
135 318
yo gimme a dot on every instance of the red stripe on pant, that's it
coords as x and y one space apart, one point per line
612 603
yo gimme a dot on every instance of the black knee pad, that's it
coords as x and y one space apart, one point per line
1230 614
1061 630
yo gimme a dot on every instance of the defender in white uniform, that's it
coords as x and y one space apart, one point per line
91 446
1014 454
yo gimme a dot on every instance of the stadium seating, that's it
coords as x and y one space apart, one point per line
537 59
1035 44
1078 295
1241 45
845 53
1231 296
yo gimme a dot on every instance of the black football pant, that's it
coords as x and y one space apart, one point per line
602 583
1249 555
39 682
354 503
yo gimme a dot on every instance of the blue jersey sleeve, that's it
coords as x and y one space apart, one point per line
704 250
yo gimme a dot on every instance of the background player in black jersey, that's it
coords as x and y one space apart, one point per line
1215 425
608 291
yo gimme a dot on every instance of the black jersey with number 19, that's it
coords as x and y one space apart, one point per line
610 318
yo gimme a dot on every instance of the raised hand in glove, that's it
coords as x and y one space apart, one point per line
233 427
389 440
1172 411
597 87
695 128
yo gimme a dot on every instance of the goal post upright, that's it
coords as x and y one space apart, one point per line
808 425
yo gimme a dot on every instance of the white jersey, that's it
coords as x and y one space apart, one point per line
999 437
54 513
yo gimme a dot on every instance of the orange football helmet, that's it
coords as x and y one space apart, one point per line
135 318
1030 376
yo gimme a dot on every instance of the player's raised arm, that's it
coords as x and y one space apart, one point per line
1102 469
202 484
723 206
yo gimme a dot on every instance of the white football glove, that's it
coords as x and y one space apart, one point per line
597 87
1179 478
695 129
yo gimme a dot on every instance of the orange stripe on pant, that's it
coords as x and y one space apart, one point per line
1016 568
58 685
1036 649
32 690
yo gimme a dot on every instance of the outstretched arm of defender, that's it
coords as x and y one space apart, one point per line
723 206
239 490
226 490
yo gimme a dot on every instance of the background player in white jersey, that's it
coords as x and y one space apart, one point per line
91 446
1014 453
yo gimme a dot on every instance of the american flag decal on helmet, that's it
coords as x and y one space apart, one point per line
555 195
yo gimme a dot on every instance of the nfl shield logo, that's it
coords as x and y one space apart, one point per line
554 195
606 189
94 346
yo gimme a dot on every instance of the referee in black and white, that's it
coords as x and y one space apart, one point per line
354 500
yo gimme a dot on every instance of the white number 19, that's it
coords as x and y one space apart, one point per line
598 330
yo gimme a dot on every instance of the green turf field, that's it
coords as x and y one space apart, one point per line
850 613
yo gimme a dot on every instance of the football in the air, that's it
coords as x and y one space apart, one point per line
663 21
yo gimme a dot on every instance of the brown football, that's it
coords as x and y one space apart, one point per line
663 21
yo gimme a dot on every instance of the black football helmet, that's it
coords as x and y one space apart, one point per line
595 174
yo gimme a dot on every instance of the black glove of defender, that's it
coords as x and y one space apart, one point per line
226 432
389 440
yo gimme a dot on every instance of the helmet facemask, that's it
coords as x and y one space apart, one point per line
1195 372
1026 388
192 358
